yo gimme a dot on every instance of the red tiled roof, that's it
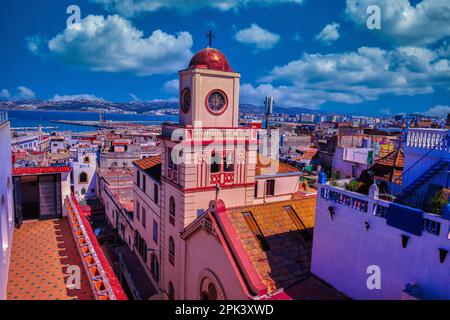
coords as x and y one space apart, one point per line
151 165
39 170
287 259
265 165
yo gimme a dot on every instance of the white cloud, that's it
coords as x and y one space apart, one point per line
257 36
355 77
404 23
172 86
113 44
329 33
58 98
438 111
293 96
24 93
34 44
4 94
131 8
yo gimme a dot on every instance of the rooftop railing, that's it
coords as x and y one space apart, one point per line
3 116
432 139
433 224
179 133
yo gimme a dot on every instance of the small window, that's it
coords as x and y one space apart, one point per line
155 231
215 165
87 160
256 189
170 162
172 211
144 218
270 187
83 191
171 251
154 266
155 193
138 211
228 162
171 291
256 230
141 246
138 178
144 183
83 178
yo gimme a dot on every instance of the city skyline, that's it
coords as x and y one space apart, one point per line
314 55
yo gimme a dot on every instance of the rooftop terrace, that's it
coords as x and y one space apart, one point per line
41 253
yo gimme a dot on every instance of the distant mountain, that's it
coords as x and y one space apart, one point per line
98 105
93 105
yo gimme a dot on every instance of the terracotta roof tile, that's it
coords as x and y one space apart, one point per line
288 259
151 165
39 170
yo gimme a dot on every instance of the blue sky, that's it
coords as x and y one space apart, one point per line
312 54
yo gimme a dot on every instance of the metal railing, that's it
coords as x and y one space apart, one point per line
3 116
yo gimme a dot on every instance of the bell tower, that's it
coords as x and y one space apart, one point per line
209 91
204 157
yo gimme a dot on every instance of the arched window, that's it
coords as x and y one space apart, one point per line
87 160
228 162
208 290
83 191
172 211
83 178
171 291
171 251
215 165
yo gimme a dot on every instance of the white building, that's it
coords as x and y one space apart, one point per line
369 248
26 143
84 172
350 162
6 203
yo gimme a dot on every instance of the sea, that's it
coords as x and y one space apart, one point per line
35 118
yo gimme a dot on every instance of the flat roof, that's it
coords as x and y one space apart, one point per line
41 253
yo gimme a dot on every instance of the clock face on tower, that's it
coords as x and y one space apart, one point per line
216 101
185 102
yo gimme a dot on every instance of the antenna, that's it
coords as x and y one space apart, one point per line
269 109
211 36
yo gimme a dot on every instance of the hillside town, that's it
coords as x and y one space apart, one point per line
227 204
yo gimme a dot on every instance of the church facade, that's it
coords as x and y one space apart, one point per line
215 220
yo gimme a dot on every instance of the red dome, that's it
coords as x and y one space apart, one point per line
210 58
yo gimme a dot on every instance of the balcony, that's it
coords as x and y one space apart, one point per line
435 139
355 203
179 133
